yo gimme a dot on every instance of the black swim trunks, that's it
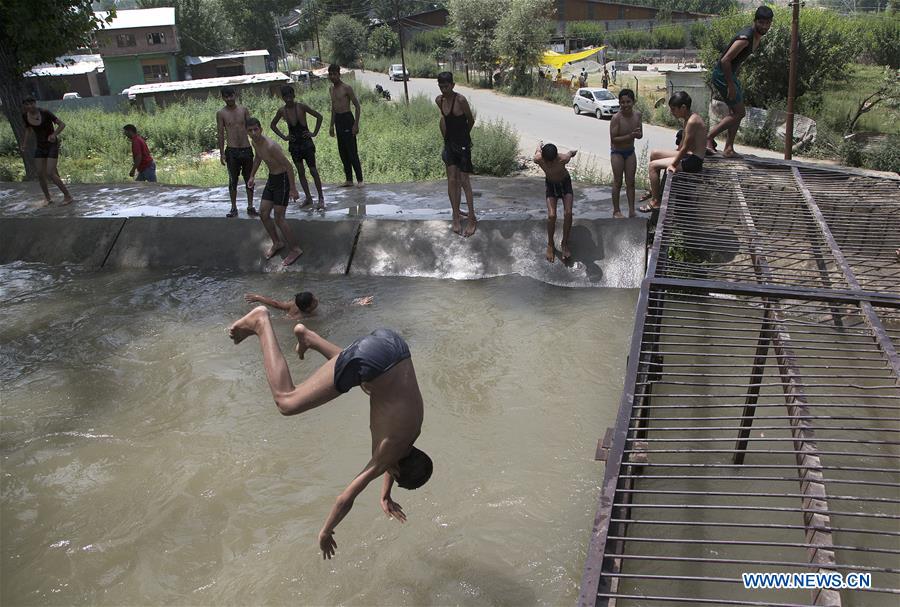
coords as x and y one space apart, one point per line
239 162
368 358
278 189
459 155
692 164
48 150
303 150
558 189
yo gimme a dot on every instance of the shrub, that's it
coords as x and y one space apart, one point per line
436 42
420 65
344 39
383 42
878 37
592 32
495 148
885 156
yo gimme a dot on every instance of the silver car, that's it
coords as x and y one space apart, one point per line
396 72
596 101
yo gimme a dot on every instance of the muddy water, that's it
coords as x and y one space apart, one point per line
143 461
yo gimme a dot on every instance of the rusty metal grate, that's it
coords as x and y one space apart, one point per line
759 429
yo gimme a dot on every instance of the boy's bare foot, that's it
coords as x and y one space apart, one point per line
551 253
276 246
360 184
347 184
320 206
730 153
68 200
618 215
301 332
48 202
631 213
246 326
306 202
567 254
457 228
471 226
292 256
252 212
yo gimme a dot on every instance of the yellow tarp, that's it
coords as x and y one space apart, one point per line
557 60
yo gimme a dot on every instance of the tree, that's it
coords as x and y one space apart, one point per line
826 46
474 24
383 42
202 28
522 36
344 39
253 23
63 26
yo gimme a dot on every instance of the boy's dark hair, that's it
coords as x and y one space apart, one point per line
549 152
130 128
679 99
227 91
626 93
415 469
445 78
764 13
29 99
334 68
303 301
252 122
287 91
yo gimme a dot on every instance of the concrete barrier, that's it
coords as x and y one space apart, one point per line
605 252
212 242
58 240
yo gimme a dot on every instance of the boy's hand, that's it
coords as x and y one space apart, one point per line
294 194
363 301
731 91
327 544
355 129
51 137
393 509
672 168
251 183
572 153
251 298
331 131
131 172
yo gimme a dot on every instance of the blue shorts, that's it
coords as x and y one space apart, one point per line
721 85
623 153
148 174
367 358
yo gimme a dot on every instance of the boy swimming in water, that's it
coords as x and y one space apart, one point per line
559 185
304 304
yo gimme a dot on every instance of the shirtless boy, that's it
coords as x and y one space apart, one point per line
41 123
689 156
303 305
300 140
624 128
456 128
724 78
279 187
381 365
238 156
345 124
559 185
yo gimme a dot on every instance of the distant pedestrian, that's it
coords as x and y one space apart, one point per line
143 163
724 78
583 78
41 123
604 80
613 72
345 125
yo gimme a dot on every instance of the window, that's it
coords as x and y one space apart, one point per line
156 38
123 40
156 72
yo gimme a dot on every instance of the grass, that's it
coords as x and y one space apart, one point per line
396 143
843 97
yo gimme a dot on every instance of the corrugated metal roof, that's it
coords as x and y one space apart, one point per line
237 55
68 65
204 83
147 17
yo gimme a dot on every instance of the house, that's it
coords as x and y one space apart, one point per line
139 47
615 15
82 74
228 64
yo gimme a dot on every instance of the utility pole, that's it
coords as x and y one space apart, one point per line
402 55
792 81
280 38
315 12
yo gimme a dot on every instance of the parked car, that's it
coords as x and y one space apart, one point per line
71 96
396 72
596 101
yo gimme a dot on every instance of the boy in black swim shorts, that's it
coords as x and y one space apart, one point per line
280 187
456 125
237 157
558 185
380 363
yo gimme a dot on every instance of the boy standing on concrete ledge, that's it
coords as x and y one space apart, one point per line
238 156
559 185
456 128
142 161
280 186
345 125
41 123
300 140
624 127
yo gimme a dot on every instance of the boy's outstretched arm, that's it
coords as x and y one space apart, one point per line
278 305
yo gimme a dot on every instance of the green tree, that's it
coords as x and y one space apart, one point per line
344 39
826 46
879 38
202 27
383 42
474 24
523 34
253 23
25 41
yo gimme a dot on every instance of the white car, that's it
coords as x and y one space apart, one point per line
71 96
396 72
597 101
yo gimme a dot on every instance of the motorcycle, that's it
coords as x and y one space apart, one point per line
382 92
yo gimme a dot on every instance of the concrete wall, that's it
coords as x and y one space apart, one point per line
606 252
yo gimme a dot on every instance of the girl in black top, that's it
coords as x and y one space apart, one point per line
46 150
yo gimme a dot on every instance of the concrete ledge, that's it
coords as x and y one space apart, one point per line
211 242
57 240
605 252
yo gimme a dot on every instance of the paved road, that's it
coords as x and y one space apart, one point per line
537 120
